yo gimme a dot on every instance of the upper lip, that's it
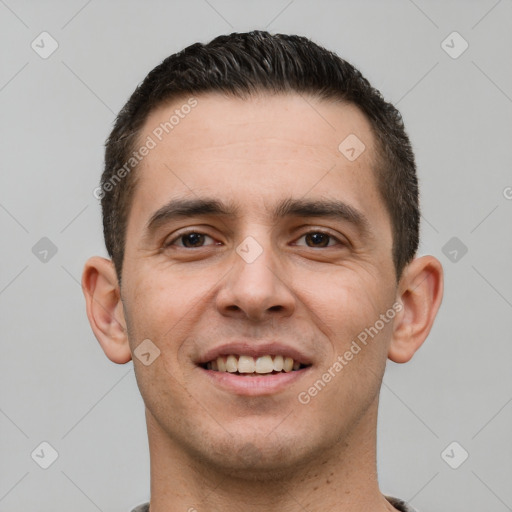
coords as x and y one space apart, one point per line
254 349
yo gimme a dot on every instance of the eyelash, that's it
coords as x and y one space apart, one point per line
315 231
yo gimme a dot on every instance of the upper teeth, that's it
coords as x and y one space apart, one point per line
247 364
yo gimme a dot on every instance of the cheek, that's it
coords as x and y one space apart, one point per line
350 377
351 301
162 297
166 306
350 319
157 309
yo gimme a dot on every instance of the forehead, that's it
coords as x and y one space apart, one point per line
301 124
256 151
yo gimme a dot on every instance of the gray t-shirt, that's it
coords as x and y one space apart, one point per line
397 503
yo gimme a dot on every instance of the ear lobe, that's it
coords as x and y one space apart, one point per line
105 309
421 293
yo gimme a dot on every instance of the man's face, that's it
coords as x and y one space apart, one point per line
256 277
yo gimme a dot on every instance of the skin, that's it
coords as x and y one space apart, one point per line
215 450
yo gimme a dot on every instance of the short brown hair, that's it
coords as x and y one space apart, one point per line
241 64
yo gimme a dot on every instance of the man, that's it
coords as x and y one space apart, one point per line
260 209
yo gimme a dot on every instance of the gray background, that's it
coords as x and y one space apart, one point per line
57 385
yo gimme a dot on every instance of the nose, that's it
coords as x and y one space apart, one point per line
257 289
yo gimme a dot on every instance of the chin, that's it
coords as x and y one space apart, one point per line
260 457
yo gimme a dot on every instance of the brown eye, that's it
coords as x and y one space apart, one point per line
192 239
189 240
319 239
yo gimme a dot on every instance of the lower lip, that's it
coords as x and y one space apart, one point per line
254 386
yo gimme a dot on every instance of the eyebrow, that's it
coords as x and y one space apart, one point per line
324 208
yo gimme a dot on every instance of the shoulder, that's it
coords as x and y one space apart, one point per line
396 502
400 504
142 508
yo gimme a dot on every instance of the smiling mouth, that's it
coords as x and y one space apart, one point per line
250 366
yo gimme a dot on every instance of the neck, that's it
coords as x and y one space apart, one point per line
341 478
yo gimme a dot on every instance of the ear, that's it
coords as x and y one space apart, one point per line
105 309
420 291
